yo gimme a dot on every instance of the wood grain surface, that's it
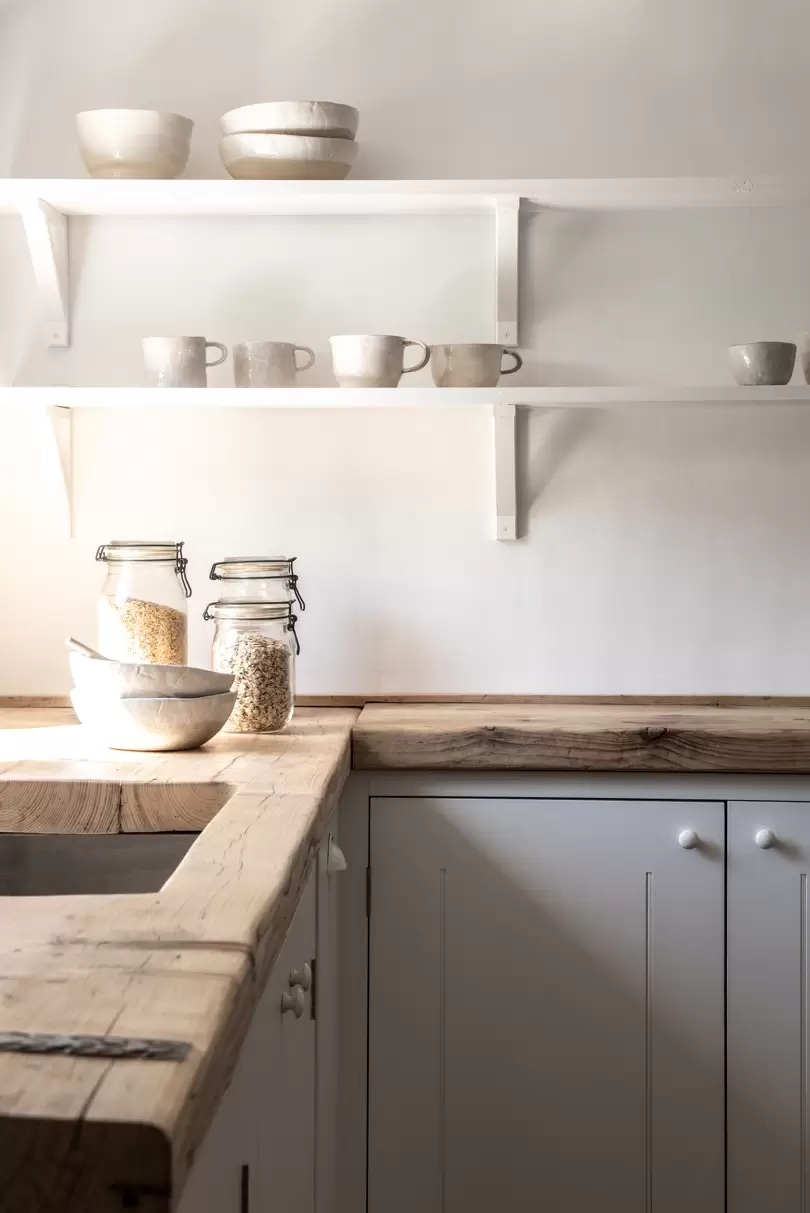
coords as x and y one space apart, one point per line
188 962
772 738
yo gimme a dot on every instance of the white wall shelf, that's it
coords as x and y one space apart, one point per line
47 205
603 397
59 402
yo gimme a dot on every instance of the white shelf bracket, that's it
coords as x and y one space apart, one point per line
60 422
46 231
504 419
507 253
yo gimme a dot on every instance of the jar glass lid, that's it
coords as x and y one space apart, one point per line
146 551
252 568
228 609
140 549
256 612
259 568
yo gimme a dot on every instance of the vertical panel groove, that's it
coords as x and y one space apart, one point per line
648 992
442 1037
803 1043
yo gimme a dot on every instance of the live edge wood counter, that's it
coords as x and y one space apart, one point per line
189 962
735 736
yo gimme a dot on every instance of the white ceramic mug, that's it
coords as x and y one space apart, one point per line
470 365
268 363
371 360
179 361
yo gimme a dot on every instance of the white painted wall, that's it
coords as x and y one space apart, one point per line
664 553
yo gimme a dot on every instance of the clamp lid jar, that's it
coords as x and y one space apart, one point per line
258 579
257 643
142 614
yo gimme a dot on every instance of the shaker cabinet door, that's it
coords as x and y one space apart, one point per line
285 1073
546 1006
259 1152
768 864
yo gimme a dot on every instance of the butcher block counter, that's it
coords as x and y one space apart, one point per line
190 961
187 963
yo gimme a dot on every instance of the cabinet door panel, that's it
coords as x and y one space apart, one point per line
285 1075
259 1153
546 1006
768 1008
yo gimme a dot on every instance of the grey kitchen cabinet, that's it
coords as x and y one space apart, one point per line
768 864
546 1005
259 1152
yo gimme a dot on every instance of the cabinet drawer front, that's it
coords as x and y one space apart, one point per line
768 1006
546 1006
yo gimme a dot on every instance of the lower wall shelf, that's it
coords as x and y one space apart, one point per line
58 403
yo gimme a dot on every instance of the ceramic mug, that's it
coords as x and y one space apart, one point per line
179 361
370 360
465 365
268 363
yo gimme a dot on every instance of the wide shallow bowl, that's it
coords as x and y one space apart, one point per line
131 680
152 724
293 118
758 363
287 157
134 143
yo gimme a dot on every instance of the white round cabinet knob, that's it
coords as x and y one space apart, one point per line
765 839
688 839
301 977
295 1002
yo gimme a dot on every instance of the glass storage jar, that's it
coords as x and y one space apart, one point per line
258 579
256 642
142 613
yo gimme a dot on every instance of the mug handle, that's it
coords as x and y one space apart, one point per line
217 345
406 370
518 362
303 349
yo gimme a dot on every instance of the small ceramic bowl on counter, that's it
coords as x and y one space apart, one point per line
763 363
152 725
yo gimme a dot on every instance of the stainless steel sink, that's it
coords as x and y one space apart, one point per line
41 865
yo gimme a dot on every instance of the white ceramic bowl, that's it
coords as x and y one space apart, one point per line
134 143
287 157
293 118
130 680
152 724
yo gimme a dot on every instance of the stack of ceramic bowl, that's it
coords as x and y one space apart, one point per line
293 140
133 706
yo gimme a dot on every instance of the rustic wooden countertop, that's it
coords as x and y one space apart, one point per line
187 963
190 961
736 737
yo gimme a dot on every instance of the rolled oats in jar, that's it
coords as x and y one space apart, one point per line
142 614
257 643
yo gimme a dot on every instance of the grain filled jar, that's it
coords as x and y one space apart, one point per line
258 580
256 642
142 613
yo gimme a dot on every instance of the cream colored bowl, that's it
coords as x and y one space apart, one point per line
287 157
152 725
131 680
134 143
293 118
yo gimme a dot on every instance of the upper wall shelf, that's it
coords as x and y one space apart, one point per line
83 196
59 403
46 205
